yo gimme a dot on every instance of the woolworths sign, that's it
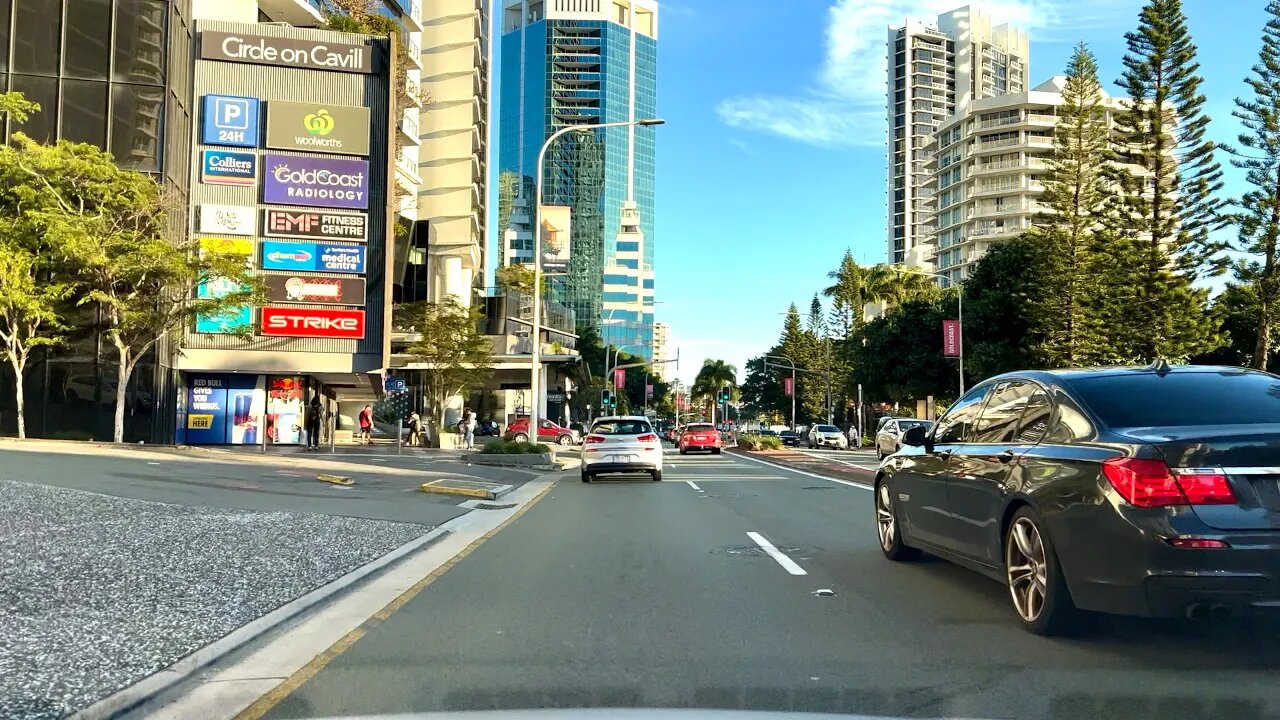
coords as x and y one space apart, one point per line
337 129
285 52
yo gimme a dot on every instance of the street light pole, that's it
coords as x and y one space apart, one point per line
959 312
536 359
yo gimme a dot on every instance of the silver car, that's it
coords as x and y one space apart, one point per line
889 437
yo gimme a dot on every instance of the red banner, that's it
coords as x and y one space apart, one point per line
951 338
788 386
620 378
313 322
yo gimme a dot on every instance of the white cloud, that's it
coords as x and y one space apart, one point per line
844 105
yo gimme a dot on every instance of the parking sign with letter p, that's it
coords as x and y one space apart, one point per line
230 120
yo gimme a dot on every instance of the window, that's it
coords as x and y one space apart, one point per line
36 46
1035 419
1003 411
1071 424
41 126
1146 399
88 51
629 246
84 111
956 423
135 129
623 427
140 42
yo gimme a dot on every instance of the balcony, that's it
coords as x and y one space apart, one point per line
1040 141
1042 119
998 122
999 231
1014 208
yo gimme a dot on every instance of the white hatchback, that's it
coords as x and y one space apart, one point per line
621 445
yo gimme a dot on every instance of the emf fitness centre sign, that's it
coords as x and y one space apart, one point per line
315 181
285 52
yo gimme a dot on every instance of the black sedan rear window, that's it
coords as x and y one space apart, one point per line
1207 398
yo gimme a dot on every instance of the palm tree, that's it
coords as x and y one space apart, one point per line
714 375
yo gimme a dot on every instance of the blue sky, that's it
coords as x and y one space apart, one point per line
772 159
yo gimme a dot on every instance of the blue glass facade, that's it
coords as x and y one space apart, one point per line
556 73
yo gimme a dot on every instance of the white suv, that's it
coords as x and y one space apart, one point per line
827 436
621 445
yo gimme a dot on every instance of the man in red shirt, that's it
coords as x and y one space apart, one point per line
366 425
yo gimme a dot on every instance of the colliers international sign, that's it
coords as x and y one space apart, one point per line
285 52
337 129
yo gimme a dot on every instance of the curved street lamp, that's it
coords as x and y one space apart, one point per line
536 360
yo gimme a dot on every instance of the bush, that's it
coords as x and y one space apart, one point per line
759 442
507 447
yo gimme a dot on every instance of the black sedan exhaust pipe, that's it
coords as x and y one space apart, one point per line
1216 611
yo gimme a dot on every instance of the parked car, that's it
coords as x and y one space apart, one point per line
889 437
489 428
766 432
700 436
1142 491
827 436
789 437
548 432
621 445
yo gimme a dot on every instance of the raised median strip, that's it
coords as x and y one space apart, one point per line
335 479
467 488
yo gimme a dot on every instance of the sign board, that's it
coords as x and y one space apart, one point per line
230 120
951 338
227 246
206 410
314 224
312 257
313 323
555 220
233 319
315 181
226 167
285 52
619 378
312 127
315 290
228 219
394 384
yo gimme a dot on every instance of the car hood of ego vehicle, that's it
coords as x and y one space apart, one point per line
622 714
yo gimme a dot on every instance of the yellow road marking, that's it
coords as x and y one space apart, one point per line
335 479
265 703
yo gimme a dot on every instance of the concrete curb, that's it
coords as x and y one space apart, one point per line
133 696
512 461
448 486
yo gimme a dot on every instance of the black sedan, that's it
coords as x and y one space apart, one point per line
789 437
1143 491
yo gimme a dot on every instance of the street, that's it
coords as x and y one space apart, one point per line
734 584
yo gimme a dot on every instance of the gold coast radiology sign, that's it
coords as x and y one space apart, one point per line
318 127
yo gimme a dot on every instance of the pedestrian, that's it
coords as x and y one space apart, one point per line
415 428
314 415
468 428
366 425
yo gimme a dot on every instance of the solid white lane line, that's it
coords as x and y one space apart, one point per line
787 563
812 475
694 485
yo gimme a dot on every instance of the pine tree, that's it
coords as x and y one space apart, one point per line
1076 189
1164 214
1259 221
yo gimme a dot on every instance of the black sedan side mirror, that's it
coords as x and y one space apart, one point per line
915 436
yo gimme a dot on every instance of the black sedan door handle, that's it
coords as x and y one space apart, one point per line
1006 456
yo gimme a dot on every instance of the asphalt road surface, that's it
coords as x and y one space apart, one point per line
627 592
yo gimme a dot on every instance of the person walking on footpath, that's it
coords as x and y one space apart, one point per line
366 425
415 429
468 427
314 415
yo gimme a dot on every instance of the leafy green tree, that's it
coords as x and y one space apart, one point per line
1259 217
762 391
112 227
899 355
456 356
31 289
1076 189
714 375
1000 331
1236 308
1165 213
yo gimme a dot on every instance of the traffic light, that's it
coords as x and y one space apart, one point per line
606 398
724 394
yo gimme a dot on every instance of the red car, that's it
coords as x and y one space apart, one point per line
700 436
548 432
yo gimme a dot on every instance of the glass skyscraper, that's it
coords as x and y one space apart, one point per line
566 63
